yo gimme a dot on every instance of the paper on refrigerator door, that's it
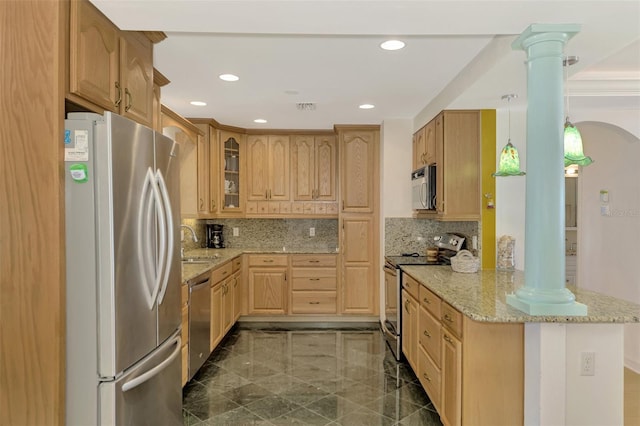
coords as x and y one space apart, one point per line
76 145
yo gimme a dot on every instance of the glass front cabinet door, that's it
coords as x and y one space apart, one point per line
231 184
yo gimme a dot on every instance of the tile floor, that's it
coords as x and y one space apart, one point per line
305 377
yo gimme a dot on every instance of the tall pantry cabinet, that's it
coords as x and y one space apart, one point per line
359 218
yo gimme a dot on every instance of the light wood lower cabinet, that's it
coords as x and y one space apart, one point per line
409 329
267 284
313 284
221 303
472 371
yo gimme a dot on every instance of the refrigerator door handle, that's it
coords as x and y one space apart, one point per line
162 238
145 249
165 206
155 370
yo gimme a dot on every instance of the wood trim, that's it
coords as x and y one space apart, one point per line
32 261
348 127
159 78
175 119
155 36
284 132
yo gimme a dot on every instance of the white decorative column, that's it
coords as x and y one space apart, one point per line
544 292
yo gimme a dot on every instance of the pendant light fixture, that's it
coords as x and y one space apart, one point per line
573 151
509 164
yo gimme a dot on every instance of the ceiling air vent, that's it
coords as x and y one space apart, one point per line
306 106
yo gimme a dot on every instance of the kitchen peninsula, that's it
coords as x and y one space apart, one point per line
467 346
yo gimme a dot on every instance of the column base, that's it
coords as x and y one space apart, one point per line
540 308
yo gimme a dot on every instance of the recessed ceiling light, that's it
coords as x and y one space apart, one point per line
392 45
229 77
260 120
198 103
366 106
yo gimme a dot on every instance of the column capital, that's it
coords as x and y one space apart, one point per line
545 32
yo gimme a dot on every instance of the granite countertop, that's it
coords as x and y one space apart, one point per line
482 297
215 257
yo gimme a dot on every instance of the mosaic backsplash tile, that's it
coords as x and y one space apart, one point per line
269 234
408 235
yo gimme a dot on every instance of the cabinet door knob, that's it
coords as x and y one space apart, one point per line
426 333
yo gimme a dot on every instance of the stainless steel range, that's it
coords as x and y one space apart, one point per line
392 322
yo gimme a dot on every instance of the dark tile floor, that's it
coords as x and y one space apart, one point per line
305 377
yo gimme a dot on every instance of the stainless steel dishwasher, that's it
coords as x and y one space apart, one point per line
199 324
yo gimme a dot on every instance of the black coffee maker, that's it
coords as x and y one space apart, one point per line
215 236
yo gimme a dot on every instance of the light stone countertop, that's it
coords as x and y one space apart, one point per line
216 257
482 297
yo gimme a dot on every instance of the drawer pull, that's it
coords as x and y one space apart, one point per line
448 339
268 260
314 279
448 318
314 261
426 333
426 377
406 306
225 272
425 300
314 303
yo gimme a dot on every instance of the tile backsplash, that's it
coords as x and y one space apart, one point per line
408 235
269 234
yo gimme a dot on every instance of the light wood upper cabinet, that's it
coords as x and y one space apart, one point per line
136 77
190 139
231 185
94 71
110 68
268 168
203 174
313 168
358 171
458 161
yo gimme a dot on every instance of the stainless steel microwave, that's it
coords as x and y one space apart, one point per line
423 188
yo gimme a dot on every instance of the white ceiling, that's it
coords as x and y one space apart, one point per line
457 55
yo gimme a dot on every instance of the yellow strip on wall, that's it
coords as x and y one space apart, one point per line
488 185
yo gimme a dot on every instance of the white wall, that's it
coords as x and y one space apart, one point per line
396 157
608 246
510 191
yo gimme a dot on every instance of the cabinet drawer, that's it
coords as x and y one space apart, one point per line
430 377
412 286
429 334
313 302
314 260
185 325
452 319
313 283
221 272
268 260
430 301
236 264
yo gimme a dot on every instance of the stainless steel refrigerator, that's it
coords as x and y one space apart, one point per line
123 364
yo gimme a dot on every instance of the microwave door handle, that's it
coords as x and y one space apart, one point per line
423 194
